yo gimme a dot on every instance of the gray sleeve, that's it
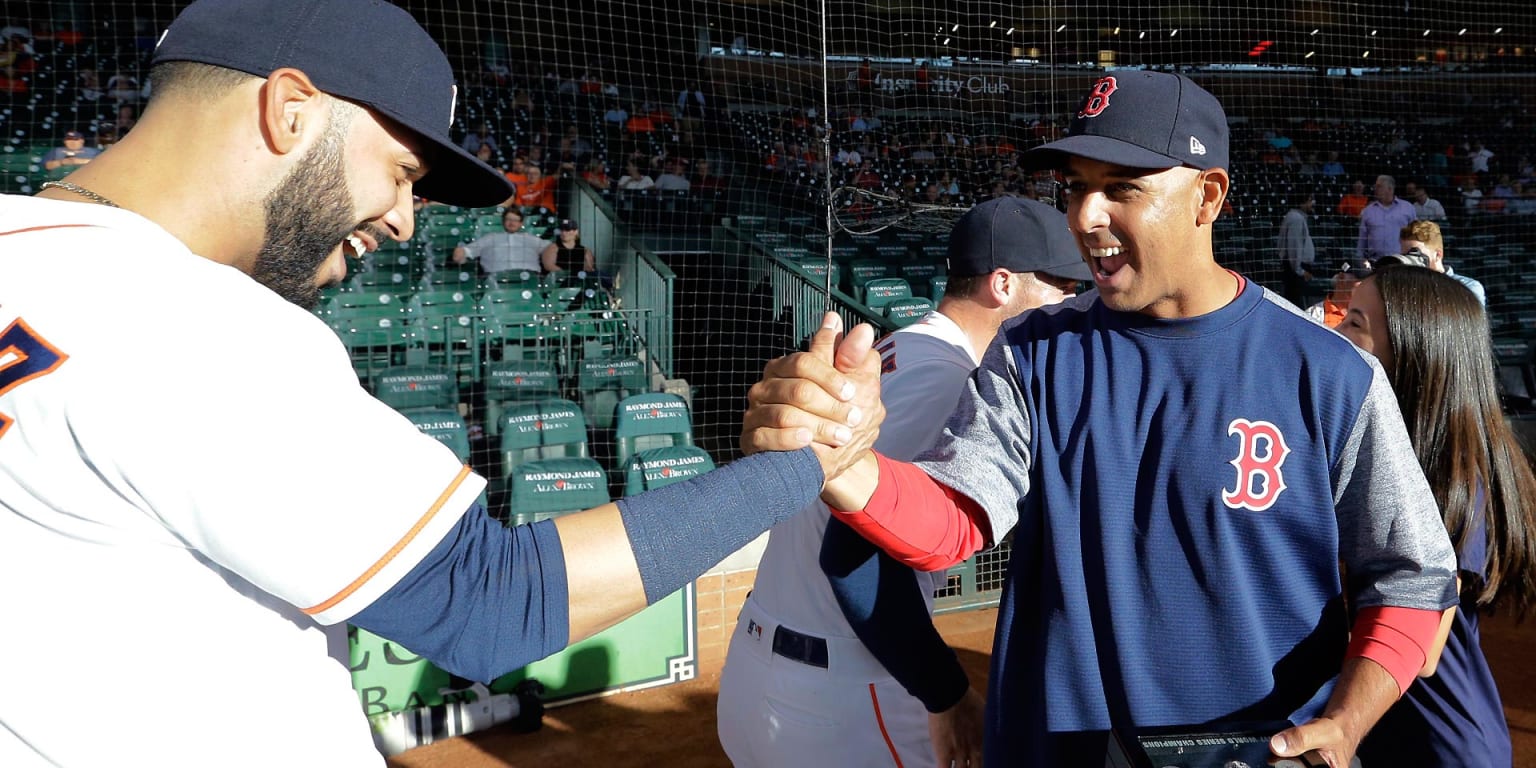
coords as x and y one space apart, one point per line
1392 540
984 450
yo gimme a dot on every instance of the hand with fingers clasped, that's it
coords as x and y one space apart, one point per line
827 398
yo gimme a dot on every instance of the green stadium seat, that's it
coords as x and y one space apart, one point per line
658 467
542 429
375 335
514 381
604 381
446 425
407 387
920 272
861 271
445 321
906 311
936 286
549 488
882 291
650 420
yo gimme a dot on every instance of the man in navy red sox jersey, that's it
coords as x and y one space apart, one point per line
1215 509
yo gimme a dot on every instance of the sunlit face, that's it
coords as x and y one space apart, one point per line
1366 322
1137 230
344 196
1032 290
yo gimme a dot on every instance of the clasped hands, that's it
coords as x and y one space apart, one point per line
827 397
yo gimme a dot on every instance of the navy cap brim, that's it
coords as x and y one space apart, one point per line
1101 148
456 177
1074 270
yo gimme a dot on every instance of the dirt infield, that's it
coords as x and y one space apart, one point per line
675 725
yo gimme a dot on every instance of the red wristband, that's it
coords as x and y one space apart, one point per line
918 520
1396 638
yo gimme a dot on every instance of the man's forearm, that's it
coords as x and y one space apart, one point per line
1364 692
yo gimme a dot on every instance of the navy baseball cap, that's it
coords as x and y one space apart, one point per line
1143 119
1016 234
366 51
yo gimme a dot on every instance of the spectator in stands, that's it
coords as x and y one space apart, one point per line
518 173
1335 304
1424 239
865 79
908 190
1382 220
127 117
106 135
90 85
1433 343
15 61
867 177
1424 206
640 122
634 180
1332 168
1471 195
1524 203
616 114
539 191
596 174
481 135
1297 251
123 88
509 249
932 195
705 180
948 186
672 178
566 256
1478 157
848 155
1503 188
691 104
1354 201
74 152
1310 166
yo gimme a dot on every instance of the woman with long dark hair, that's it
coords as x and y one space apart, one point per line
1431 335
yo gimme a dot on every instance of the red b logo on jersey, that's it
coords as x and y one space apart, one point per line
1261 451
1098 97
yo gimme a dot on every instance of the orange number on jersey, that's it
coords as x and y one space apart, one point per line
24 356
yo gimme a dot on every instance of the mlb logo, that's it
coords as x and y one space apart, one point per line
754 630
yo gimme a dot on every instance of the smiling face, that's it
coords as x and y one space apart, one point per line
347 193
1366 322
1137 229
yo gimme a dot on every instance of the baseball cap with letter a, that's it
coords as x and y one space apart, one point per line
365 51
1143 119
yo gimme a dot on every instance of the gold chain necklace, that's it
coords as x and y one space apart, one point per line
81 191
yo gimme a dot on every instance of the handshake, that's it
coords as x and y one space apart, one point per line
827 397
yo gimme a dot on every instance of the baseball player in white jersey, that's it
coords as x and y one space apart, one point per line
192 480
799 687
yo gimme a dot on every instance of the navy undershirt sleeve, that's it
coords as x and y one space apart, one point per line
487 600
886 609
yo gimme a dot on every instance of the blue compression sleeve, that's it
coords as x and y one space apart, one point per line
680 530
487 600
886 609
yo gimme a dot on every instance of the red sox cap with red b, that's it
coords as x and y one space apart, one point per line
1143 119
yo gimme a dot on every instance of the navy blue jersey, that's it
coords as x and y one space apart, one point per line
1455 717
1182 494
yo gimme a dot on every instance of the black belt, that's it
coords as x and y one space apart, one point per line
797 647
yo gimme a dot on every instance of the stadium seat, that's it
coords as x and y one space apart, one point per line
882 291
407 387
936 286
549 488
906 311
861 271
604 381
659 467
444 320
514 381
542 429
650 420
446 425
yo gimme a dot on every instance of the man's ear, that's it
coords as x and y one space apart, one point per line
291 107
1213 192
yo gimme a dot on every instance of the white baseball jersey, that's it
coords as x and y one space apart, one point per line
192 482
778 712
